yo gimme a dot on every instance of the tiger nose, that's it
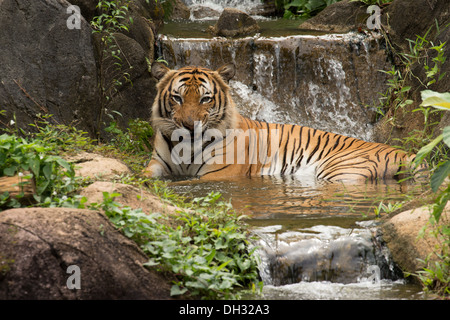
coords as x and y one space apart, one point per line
189 123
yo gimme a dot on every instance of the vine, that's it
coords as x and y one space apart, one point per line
114 18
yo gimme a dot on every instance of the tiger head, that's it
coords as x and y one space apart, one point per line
193 95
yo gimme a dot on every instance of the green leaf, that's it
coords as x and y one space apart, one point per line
10 171
47 170
435 99
425 150
176 290
35 165
223 265
446 135
442 172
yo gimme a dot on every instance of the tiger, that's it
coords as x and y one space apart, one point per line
200 133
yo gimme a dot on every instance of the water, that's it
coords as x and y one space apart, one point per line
326 82
212 8
317 240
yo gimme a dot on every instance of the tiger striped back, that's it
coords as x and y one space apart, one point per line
199 132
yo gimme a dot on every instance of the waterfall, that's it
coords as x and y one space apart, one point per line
326 82
213 8
324 253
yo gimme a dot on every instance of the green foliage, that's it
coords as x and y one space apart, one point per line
304 8
423 52
437 276
207 250
61 138
53 175
114 18
387 208
442 170
131 144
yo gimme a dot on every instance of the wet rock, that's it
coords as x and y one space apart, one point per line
402 233
38 245
233 22
201 12
179 10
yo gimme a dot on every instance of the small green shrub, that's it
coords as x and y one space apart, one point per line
53 175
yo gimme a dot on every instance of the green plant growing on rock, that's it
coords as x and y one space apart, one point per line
437 275
114 67
423 52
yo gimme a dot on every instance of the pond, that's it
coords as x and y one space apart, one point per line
317 240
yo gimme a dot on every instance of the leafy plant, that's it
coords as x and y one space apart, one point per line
114 18
437 276
61 138
207 249
387 208
132 144
52 175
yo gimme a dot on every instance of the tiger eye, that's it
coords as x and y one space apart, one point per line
205 100
177 99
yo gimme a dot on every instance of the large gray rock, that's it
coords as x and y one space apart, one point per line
48 68
45 67
38 246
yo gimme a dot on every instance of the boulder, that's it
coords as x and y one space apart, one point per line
60 253
201 12
402 234
130 196
179 10
48 68
95 166
233 22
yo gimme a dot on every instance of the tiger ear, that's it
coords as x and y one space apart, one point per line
159 70
227 71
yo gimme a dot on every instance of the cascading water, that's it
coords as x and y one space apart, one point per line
325 82
215 7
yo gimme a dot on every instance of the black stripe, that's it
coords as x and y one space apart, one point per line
315 149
